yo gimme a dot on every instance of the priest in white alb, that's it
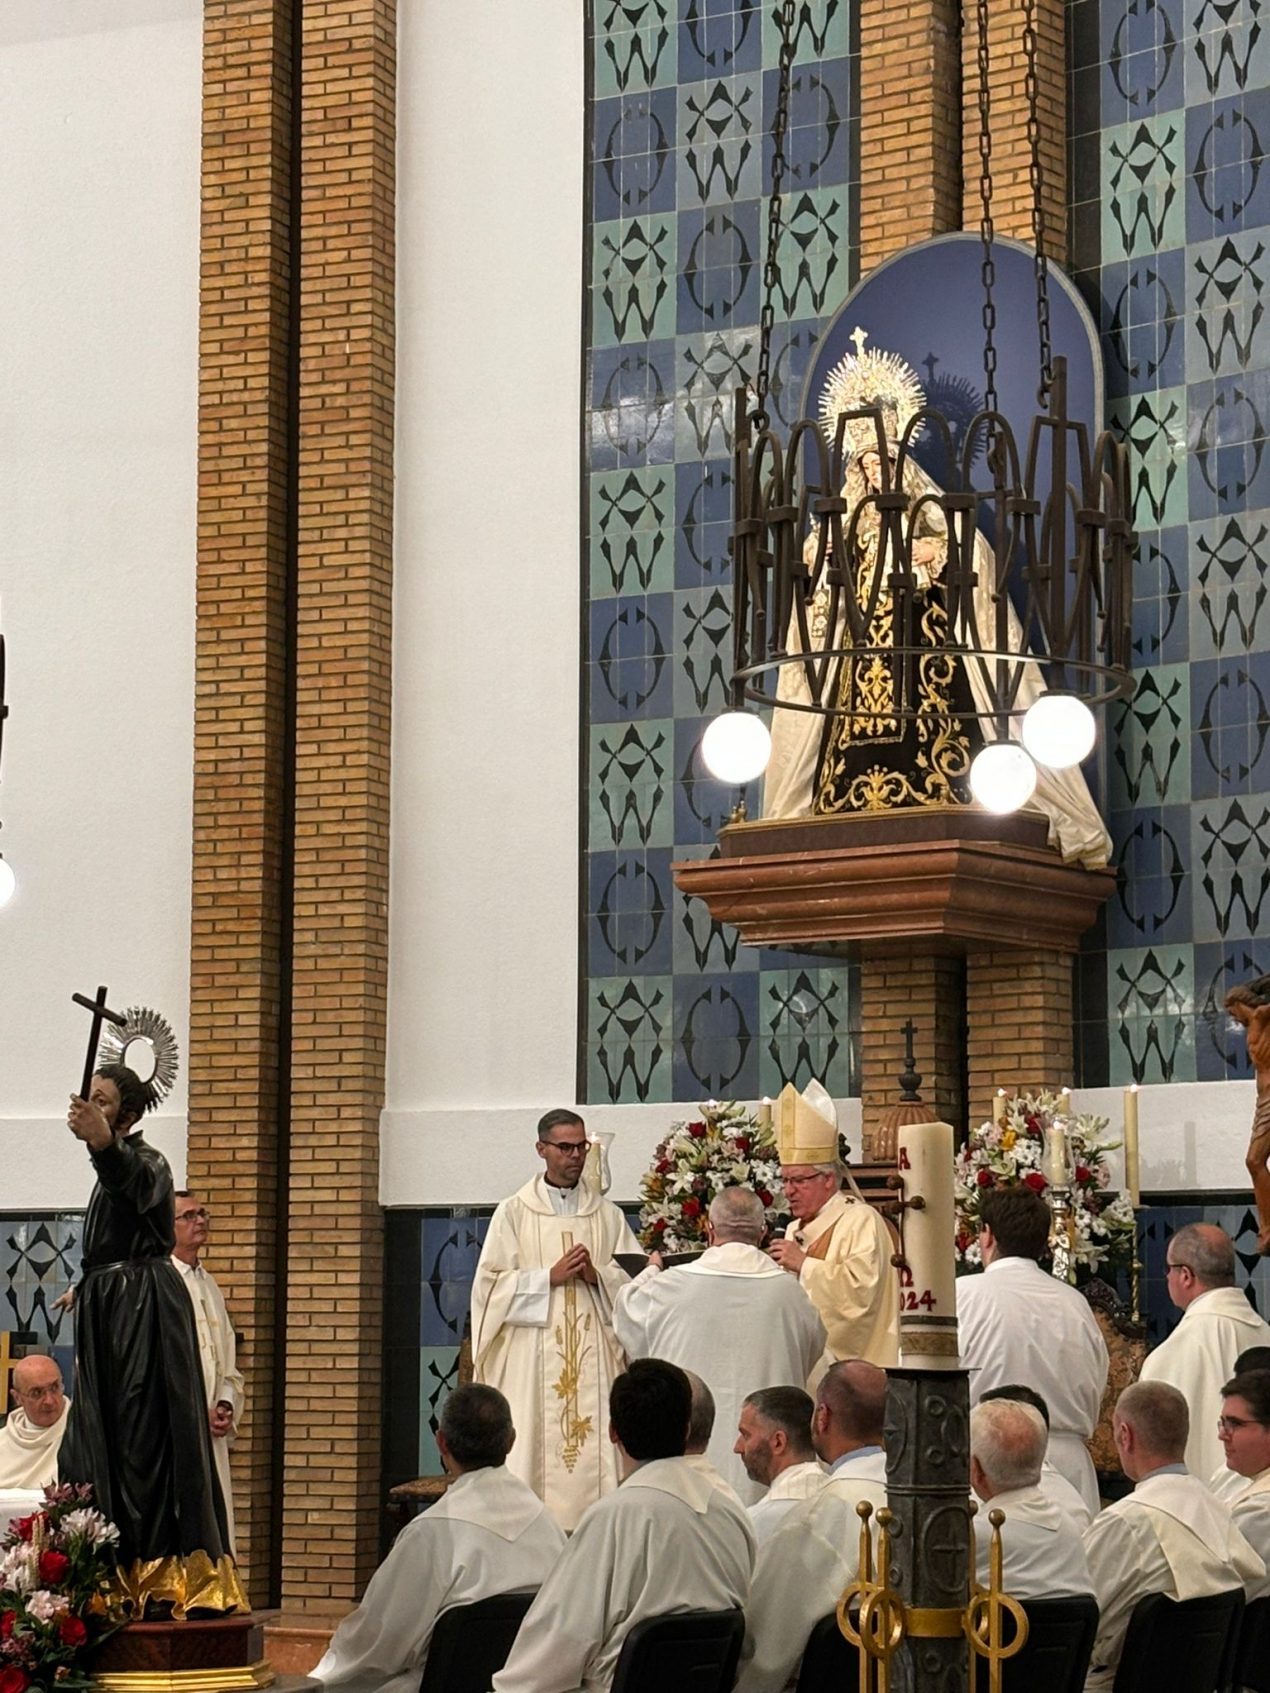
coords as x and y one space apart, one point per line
1016 1323
1245 1434
1170 1535
733 1316
773 1441
32 1435
670 1539
217 1343
487 1534
1217 1324
837 1244
542 1320
1043 1556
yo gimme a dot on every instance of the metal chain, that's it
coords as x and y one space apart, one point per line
1041 263
986 231
771 266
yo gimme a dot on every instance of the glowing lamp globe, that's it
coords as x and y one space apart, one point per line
736 747
1058 730
8 882
1002 777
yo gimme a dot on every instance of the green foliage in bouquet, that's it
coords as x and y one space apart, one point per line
55 1576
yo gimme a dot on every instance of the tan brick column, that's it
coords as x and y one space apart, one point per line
910 124
1011 155
343 725
240 681
930 988
1021 1018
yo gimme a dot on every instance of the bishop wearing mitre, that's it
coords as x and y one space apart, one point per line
542 1320
837 1244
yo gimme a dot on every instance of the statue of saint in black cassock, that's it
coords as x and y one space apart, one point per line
138 1427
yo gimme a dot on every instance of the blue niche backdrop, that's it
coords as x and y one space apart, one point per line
926 304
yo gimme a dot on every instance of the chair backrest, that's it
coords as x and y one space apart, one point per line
471 1643
1060 1641
829 1659
689 1652
1184 1645
1252 1660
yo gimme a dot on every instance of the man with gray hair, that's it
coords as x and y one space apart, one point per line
1168 1536
774 1443
487 1534
731 1315
1217 1325
1041 1546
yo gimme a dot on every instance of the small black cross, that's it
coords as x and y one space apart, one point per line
101 1014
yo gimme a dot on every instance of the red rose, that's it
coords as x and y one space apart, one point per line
1036 1181
53 1568
697 1131
25 1526
1084 1173
659 1225
985 1178
963 1241
6 1624
692 1208
743 1143
71 1632
663 1166
13 1680
765 1196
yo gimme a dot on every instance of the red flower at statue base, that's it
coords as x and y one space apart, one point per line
6 1624
14 1680
71 1631
1035 1181
53 1567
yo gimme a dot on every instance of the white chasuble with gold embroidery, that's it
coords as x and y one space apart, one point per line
551 1350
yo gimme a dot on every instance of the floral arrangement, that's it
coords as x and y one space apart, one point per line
725 1147
1014 1151
55 1571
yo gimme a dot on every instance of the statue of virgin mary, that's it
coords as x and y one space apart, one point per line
861 758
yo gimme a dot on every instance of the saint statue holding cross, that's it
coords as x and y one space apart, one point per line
138 1427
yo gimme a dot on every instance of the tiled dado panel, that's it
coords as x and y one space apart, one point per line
39 1260
1170 128
683 94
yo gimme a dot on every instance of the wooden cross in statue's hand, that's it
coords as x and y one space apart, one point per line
101 1014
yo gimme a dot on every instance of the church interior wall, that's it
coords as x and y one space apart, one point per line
99 200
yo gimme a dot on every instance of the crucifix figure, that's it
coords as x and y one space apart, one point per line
101 1014
1249 1005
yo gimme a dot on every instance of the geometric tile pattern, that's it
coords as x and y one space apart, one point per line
1170 232
39 1259
683 95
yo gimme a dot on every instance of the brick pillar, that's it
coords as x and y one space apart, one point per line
240 682
910 124
343 725
1021 1017
930 988
1011 156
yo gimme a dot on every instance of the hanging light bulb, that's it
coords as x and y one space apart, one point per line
736 747
1002 777
8 882
1059 730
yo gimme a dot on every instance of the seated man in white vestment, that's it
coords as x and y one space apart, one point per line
217 1343
542 1321
837 1245
1168 1536
803 1567
774 1443
1052 1484
1043 1556
1015 1322
1224 1481
733 1315
670 1539
1217 1325
32 1435
701 1421
1244 1428
487 1534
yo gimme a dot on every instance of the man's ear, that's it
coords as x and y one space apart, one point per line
778 1441
613 1435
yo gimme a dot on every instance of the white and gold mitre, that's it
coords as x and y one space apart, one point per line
806 1126
870 378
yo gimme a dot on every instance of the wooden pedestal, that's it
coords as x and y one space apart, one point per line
220 1655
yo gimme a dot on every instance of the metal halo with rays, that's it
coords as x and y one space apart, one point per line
140 1023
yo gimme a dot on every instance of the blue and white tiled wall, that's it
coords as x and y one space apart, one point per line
39 1260
1170 181
683 95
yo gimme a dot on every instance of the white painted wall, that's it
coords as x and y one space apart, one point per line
99 185
483 956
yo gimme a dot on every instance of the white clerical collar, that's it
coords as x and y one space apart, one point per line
1164 1469
563 1200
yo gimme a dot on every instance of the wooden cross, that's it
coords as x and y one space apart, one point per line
8 1339
101 1014
857 339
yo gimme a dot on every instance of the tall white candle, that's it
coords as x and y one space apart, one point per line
765 1112
1056 1172
928 1287
1132 1172
998 1106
